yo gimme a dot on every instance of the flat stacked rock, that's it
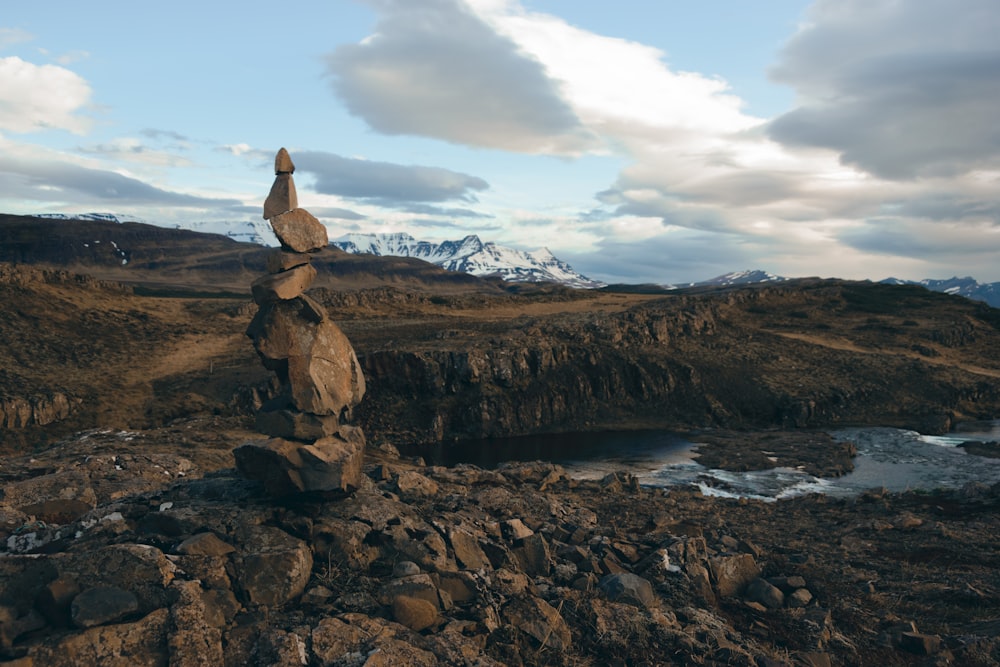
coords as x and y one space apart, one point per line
312 447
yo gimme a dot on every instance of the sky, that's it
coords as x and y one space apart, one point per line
642 141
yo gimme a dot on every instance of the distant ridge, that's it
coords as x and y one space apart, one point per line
471 255
98 217
247 231
475 257
751 277
968 287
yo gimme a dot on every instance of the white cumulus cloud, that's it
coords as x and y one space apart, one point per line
41 97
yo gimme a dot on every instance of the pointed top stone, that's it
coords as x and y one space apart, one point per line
283 163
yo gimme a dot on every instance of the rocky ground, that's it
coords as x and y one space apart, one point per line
128 538
147 548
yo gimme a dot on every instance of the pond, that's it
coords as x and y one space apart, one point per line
889 458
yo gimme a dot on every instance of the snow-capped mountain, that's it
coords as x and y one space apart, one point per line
247 231
98 217
734 278
968 287
471 255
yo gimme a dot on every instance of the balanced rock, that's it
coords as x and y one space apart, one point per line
299 231
314 360
283 286
296 425
280 260
283 162
329 464
282 198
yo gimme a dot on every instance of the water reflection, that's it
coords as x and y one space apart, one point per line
889 458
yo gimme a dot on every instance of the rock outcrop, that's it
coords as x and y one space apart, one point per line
19 412
312 447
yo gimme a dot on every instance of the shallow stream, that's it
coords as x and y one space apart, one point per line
889 458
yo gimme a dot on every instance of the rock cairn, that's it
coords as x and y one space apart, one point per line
312 447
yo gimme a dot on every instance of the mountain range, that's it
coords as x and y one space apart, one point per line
968 287
473 256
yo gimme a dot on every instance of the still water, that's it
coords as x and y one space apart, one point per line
889 458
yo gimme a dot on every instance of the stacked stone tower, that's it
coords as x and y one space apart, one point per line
312 446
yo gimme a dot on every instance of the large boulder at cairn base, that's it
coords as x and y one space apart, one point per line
284 466
299 231
314 360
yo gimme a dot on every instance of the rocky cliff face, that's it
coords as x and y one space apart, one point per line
766 357
449 365
20 412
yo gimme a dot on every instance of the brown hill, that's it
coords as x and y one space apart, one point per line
451 357
161 258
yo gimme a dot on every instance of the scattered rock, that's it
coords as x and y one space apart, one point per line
102 605
733 573
759 590
333 640
919 643
800 597
415 613
272 566
196 641
540 620
410 483
205 544
467 551
630 588
405 568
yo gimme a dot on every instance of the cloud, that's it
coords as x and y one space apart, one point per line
434 68
674 256
240 149
128 149
928 241
161 135
50 180
898 89
385 183
336 213
426 209
13 36
72 57
40 97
